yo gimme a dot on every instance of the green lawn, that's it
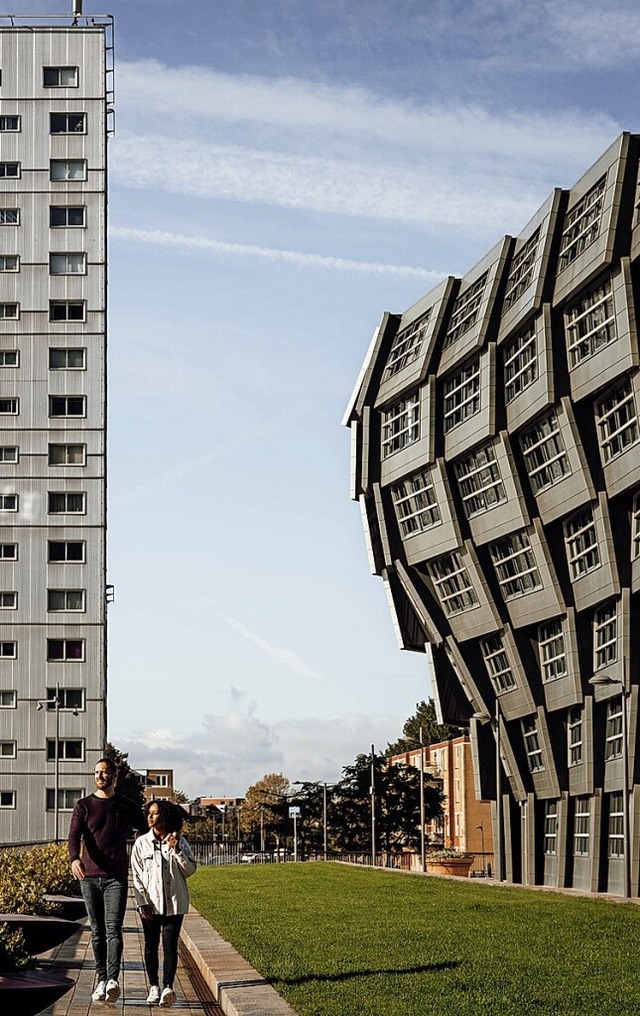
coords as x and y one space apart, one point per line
341 941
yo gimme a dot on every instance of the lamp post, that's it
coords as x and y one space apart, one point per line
42 704
499 853
372 791
601 680
422 840
481 828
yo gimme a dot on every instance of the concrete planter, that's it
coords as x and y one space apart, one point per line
28 992
70 908
40 933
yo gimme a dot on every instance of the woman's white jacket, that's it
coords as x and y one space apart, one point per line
160 874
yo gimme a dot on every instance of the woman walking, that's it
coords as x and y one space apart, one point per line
161 862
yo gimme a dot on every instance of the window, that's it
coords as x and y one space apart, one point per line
590 322
406 346
9 216
8 551
616 825
532 744
520 359
66 502
613 735
67 454
67 405
550 827
67 123
67 799
10 170
575 736
9 650
465 311
400 424
68 698
8 502
66 216
8 600
415 504
635 527
66 310
8 453
9 263
8 698
65 599
605 635
67 169
67 358
581 827
9 311
497 662
581 541
9 407
9 358
544 453
60 77
479 481
582 224
9 123
68 264
161 780
553 659
66 550
617 420
515 565
8 749
452 584
69 650
69 750
7 798
462 396
521 272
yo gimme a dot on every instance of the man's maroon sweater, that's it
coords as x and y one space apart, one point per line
98 834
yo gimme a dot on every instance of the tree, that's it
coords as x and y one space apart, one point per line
397 805
129 783
432 731
265 809
180 797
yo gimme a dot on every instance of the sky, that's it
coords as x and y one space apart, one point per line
282 173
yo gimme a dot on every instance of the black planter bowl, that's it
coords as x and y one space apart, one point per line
40 933
71 908
27 992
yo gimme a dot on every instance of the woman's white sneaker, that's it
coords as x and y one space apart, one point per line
100 992
167 998
112 991
154 995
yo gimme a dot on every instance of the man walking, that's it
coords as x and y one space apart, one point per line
100 827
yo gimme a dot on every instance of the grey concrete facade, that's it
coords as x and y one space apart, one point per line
496 459
55 91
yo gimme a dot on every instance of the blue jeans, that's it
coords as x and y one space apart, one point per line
106 902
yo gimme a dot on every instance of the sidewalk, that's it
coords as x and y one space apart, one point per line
212 977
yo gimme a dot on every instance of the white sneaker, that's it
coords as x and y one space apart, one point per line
154 995
100 993
167 998
112 991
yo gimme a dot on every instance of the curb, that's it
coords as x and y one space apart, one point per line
236 986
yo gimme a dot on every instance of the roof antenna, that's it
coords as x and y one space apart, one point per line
77 10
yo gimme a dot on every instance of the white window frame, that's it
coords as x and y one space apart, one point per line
605 635
406 346
9 406
68 494
520 362
452 584
69 601
9 502
8 599
613 739
4 212
6 805
9 311
67 354
8 749
67 170
544 453
581 542
67 401
8 698
66 453
415 504
532 746
8 551
521 271
10 170
515 565
462 395
66 698
9 355
67 798
68 263
60 74
479 480
615 837
63 744
590 322
9 263
400 424
66 643
581 827
67 305
617 420
5 453
66 559
582 224
465 311
550 844
69 118
552 650
575 736
66 209
496 660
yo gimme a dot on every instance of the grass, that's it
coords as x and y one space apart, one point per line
341 941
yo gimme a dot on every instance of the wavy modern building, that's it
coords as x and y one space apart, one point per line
496 458
55 117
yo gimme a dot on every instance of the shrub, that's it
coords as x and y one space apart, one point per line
26 876
13 954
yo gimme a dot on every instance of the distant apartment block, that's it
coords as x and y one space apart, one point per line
496 459
157 784
56 92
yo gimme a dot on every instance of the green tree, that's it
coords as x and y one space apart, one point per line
397 805
129 783
180 797
266 809
432 731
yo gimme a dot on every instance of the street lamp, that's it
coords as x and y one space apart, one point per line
372 791
481 828
495 720
42 703
601 680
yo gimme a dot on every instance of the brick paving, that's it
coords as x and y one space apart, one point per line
75 959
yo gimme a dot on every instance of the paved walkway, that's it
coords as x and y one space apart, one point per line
212 977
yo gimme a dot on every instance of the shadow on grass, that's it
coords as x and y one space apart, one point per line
348 975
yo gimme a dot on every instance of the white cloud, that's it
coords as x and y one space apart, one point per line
180 241
287 658
229 752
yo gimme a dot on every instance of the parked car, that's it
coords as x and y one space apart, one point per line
256 857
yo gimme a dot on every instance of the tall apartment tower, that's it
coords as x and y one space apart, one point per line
496 458
55 108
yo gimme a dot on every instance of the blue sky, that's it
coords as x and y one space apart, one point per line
282 173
